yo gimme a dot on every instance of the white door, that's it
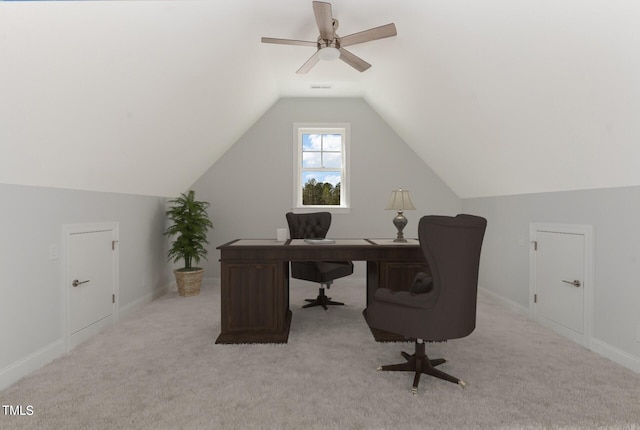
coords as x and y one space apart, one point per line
561 281
90 282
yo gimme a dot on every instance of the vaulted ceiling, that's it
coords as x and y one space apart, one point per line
497 96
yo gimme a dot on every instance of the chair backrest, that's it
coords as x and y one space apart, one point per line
452 247
313 225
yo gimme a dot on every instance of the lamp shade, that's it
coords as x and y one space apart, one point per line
400 200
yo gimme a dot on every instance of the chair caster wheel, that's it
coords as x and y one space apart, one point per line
414 390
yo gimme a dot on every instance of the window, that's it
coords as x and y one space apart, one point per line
321 164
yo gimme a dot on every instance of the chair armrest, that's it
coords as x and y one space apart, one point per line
406 298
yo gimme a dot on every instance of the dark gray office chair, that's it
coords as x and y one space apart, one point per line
437 307
315 226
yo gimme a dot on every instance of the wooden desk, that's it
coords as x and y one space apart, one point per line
254 275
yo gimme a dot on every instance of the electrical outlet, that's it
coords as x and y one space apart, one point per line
54 253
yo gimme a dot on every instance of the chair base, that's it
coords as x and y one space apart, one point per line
321 300
420 363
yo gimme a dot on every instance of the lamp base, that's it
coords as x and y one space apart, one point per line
400 221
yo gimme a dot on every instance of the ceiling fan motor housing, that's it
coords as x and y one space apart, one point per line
326 43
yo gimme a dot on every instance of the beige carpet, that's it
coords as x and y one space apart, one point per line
161 370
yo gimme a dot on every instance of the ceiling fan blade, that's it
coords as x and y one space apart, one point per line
289 42
376 33
353 60
324 19
309 64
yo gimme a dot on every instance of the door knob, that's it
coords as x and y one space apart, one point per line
75 282
575 283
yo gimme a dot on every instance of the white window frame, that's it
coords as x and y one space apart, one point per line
321 128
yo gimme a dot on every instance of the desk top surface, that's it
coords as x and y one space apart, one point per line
336 243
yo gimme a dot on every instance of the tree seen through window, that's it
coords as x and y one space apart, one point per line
320 193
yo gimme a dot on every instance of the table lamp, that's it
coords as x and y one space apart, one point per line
400 201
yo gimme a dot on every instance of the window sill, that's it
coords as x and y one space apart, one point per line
333 210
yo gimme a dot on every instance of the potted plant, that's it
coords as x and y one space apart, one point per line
189 223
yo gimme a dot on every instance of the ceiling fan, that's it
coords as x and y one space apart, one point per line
329 45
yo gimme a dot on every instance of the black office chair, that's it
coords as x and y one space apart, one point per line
437 307
315 226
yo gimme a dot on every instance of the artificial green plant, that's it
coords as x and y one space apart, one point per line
189 224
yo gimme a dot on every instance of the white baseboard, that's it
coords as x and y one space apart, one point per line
616 355
131 308
508 303
21 368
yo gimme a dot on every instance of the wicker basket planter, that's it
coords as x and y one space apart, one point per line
188 281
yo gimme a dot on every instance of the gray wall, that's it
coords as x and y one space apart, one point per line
250 188
31 304
613 213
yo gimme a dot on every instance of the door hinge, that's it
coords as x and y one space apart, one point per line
113 298
535 298
535 245
113 245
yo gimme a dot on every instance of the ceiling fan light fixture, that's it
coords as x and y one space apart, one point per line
329 53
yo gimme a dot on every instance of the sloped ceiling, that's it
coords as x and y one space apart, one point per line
497 96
